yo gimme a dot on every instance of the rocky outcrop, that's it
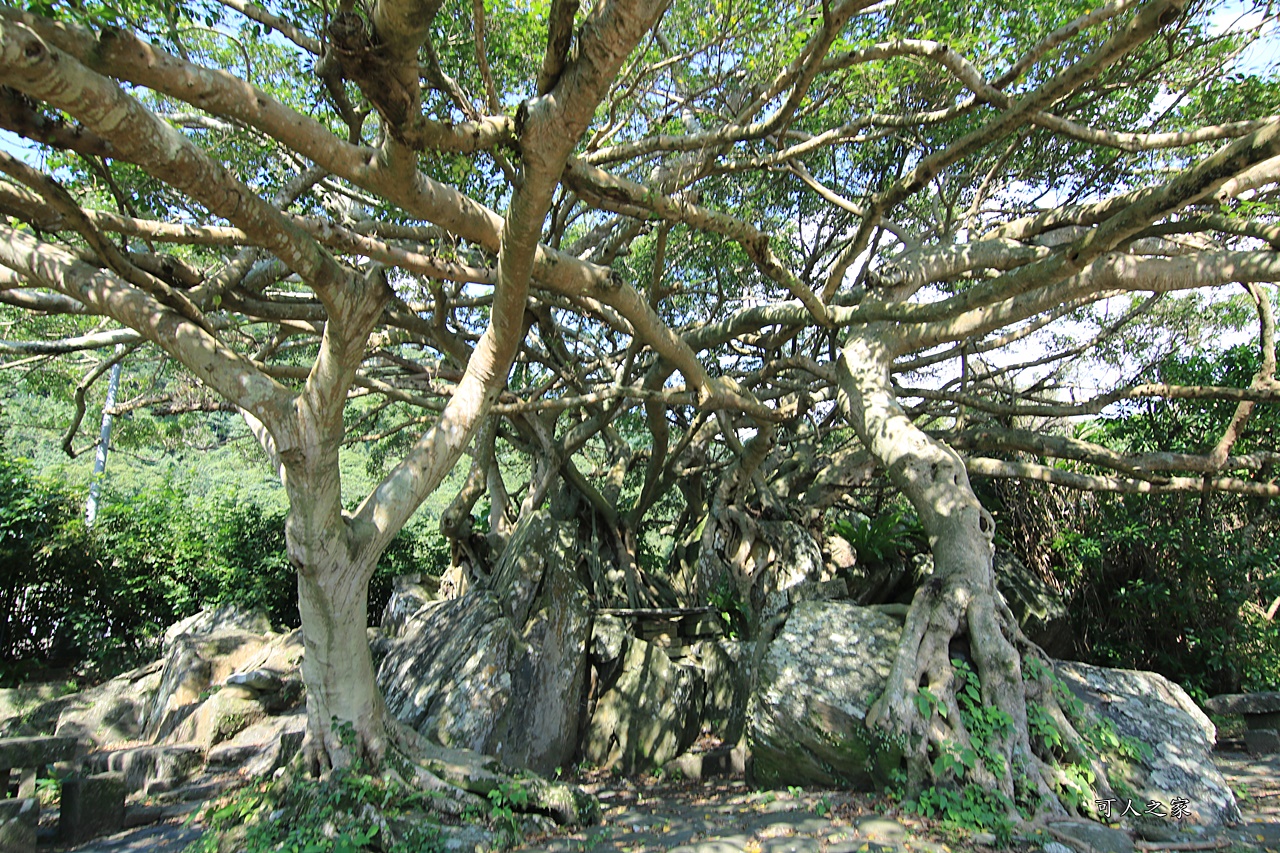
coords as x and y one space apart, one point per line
1177 761
263 747
1039 610
452 690
228 617
408 596
222 695
726 678
501 670
113 712
806 719
647 714
194 699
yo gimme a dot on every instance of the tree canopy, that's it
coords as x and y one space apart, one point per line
658 262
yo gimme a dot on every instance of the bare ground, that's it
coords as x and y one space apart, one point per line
647 815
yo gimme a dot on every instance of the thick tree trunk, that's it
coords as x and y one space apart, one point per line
957 613
346 714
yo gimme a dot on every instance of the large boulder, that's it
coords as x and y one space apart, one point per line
115 711
647 714
726 678
408 596
1179 739
449 674
1040 610
501 670
816 681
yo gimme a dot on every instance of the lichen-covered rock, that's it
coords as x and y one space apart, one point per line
449 674
648 716
258 750
540 729
608 639
186 676
113 712
501 671
220 717
197 662
31 709
819 675
408 596
1267 702
1152 709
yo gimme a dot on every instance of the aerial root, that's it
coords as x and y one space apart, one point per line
1020 769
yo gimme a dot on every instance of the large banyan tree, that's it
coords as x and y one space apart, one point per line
670 268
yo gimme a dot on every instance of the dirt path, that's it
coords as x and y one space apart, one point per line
730 818
1256 781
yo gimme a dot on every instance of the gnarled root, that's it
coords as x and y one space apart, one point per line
957 702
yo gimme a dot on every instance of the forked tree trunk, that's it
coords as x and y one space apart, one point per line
957 606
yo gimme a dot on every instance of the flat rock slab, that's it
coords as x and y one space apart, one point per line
1258 778
1262 740
151 839
35 751
1245 703
1097 837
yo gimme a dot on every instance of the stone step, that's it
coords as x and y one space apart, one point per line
204 788
150 769
145 815
91 806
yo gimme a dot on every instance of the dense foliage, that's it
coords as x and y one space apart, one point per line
96 602
1181 584
51 586
1156 585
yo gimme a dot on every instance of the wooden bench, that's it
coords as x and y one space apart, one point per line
1261 713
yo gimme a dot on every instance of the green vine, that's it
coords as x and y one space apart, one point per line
1100 743
952 801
